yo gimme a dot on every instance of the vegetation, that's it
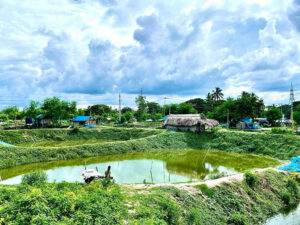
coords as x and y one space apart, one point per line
76 203
274 145
273 114
248 105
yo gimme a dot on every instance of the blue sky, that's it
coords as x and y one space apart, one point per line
89 50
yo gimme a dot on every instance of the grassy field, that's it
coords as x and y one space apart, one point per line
103 203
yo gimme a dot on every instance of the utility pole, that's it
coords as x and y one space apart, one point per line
292 99
120 100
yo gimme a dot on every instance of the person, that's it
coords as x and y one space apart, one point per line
107 172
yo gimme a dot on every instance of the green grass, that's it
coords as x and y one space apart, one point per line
63 143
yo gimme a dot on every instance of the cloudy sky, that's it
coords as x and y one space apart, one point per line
89 50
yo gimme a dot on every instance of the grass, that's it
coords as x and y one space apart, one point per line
62 143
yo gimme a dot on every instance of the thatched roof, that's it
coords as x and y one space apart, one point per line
189 120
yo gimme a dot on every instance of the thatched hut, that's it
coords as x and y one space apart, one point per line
189 122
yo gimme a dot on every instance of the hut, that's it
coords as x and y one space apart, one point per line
189 122
43 120
80 121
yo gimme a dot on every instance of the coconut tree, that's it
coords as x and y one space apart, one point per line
217 94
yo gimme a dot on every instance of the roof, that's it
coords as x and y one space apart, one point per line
40 116
189 120
165 118
81 118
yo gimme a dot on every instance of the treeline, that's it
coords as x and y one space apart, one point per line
247 105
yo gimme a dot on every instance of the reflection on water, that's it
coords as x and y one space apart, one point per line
291 217
161 166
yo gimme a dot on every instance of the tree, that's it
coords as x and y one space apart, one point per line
186 108
199 104
57 110
12 112
217 94
153 108
249 105
33 110
273 114
127 109
98 109
157 116
142 106
297 115
127 116
3 117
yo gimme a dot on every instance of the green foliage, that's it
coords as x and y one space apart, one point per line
273 114
237 219
247 106
293 187
205 190
3 117
33 109
183 108
142 106
12 112
57 109
297 115
251 179
35 178
285 197
75 130
280 130
62 203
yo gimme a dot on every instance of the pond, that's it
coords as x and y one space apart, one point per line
62 143
160 166
290 217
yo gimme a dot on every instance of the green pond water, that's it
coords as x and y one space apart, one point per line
290 217
62 143
160 166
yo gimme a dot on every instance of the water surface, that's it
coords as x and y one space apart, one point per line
160 166
291 217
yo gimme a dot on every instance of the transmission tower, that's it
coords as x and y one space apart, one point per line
292 99
120 107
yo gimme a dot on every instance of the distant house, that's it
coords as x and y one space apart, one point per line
80 121
189 122
246 124
42 120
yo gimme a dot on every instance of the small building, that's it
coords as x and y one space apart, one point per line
189 122
81 121
246 124
43 120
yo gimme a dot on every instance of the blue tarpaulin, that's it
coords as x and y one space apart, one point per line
6 144
90 126
293 166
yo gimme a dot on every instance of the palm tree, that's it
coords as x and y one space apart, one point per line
217 94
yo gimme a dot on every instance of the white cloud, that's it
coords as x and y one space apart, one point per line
73 48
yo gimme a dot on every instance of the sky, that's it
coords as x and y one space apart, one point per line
90 50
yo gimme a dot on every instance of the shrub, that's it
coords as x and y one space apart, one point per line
279 130
205 190
237 219
35 178
75 130
293 186
251 179
285 197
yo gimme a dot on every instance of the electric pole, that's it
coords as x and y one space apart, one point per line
120 100
292 99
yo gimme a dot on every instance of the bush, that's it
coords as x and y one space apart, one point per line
285 197
279 130
293 186
237 219
35 178
75 130
251 179
205 190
